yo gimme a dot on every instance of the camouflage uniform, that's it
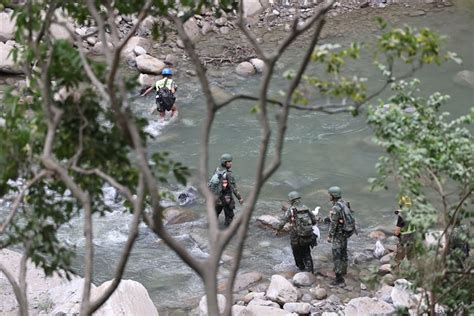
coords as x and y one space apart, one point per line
300 246
225 201
339 240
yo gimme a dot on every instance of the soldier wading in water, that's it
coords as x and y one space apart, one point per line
301 235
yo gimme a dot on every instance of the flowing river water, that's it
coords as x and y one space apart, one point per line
320 150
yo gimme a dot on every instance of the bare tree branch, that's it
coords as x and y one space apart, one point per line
19 198
17 290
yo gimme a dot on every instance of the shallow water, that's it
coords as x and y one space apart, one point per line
320 150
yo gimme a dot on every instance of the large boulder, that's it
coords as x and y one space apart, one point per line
368 306
175 215
465 78
192 28
7 27
6 61
242 281
149 65
60 32
281 290
303 279
258 64
147 80
245 69
134 42
402 295
251 7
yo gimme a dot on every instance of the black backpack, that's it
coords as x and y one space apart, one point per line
302 221
165 98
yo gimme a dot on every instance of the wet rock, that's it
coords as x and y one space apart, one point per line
268 221
220 94
281 290
258 64
245 69
149 65
368 306
379 235
174 215
298 308
263 302
6 62
303 279
221 301
245 280
7 26
465 78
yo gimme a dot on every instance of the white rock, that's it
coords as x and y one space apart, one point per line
99 48
136 41
251 295
60 32
251 7
298 308
245 69
319 293
221 21
81 31
238 310
402 295
255 310
432 238
224 30
258 64
262 302
150 65
465 78
379 250
6 61
138 50
7 26
221 301
206 28
384 293
91 40
281 290
303 279
367 306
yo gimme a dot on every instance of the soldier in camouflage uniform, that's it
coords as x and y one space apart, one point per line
224 200
337 237
300 241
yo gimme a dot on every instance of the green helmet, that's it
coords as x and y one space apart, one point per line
225 158
293 195
335 192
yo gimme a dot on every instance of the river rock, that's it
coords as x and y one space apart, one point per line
245 69
171 59
138 50
6 62
7 26
377 234
175 215
192 28
220 21
206 28
268 221
149 64
99 48
224 30
256 310
465 78
221 301
258 64
252 295
251 7
361 258
60 32
281 290
379 250
402 295
130 298
238 310
367 306
135 41
245 280
298 308
303 279
385 293
385 269
319 293
147 80
387 258
388 279
263 302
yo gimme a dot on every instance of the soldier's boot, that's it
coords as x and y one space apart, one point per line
339 281
309 265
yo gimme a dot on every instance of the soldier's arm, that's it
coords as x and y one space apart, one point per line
335 216
284 219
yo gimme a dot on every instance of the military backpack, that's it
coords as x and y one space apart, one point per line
165 98
302 222
349 223
214 183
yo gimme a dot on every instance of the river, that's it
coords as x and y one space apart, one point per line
320 150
